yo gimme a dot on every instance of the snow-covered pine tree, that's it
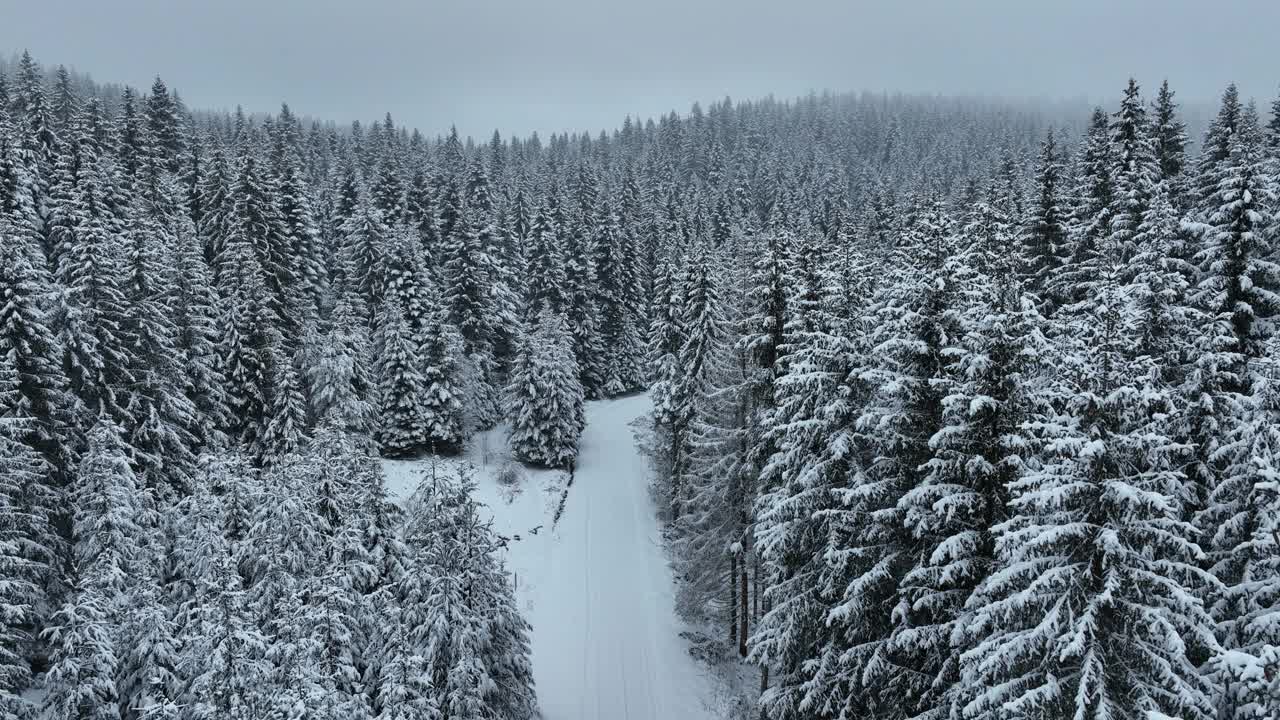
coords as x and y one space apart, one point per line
469 277
1093 199
979 451
473 642
222 654
164 417
107 521
404 685
148 654
365 238
340 381
26 565
1078 618
617 283
1239 275
1244 503
1160 289
286 421
83 660
582 311
713 545
443 386
1135 173
308 272
214 224
545 395
106 540
246 326
920 326
811 434
36 409
702 318
1170 136
545 269
402 429
468 273
99 359
1215 151
1044 240
257 220
194 308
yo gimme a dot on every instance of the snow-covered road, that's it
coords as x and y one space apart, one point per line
597 589
606 640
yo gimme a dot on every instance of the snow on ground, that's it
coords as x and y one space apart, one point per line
597 589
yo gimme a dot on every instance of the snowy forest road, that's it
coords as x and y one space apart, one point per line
606 643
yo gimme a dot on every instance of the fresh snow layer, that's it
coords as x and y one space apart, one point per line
597 589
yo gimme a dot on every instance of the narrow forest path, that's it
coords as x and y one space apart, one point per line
606 643
597 587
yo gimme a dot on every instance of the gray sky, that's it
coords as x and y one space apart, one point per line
552 65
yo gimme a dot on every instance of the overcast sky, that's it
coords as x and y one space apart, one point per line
552 65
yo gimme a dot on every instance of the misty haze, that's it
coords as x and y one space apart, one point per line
572 360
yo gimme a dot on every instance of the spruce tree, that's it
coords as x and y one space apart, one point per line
1045 240
1239 276
24 527
442 349
100 362
1170 135
545 396
84 660
1077 619
1094 198
544 266
246 325
401 385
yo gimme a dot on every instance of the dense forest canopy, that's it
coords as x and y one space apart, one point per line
960 409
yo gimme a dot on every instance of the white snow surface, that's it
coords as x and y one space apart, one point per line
597 589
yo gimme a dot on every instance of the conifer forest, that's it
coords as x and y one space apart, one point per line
949 408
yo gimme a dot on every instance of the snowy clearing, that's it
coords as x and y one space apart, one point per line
597 589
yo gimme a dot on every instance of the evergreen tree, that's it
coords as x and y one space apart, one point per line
164 126
257 220
246 331
149 655
1215 153
339 381
401 385
545 396
1094 196
1238 274
442 392
366 237
1045 240
1170 135
105 531
93 330
544 266
286 421
24 527
1105 632
1135 175
84 660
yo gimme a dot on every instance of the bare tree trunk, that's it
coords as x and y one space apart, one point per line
764 685
743 633
756 583
733 601
676 471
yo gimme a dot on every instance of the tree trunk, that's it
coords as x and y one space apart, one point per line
764 685
733 601
676 470
742 634
756 583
